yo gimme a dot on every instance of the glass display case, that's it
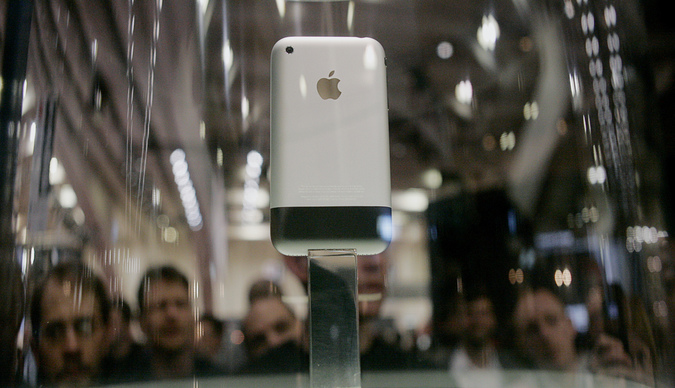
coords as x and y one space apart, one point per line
530 202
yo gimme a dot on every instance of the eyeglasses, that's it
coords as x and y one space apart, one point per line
57 331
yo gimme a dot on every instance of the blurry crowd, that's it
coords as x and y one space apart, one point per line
80 336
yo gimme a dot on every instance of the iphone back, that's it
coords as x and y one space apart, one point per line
329 178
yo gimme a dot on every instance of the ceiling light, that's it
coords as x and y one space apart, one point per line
163 221
244 108
188 194
182 180
531 110
180 168
254 158
411 200
30 144
249 232
444 50
177 155
170 235
156 197
597 175
507 141
67 197
228 56
57 174
252 216
464 92
432 179
488 33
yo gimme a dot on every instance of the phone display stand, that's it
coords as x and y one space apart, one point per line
333 318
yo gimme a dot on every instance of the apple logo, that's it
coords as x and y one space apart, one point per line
328 87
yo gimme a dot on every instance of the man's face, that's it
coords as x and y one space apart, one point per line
481 320
72 336
544 333
167 317
269 324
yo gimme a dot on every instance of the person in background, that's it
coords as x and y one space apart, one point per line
167 320
271 330
69 318
125 352
377 351
474 362
263 288
447 326
269 324
477 348
210 337
545 338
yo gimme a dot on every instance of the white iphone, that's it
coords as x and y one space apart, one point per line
330 177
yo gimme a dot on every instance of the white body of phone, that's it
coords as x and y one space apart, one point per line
330 176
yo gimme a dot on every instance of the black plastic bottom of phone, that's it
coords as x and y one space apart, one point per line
333 223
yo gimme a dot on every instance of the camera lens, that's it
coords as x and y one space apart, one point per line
289 49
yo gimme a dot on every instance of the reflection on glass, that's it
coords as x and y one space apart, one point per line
165 305
69 319
529 241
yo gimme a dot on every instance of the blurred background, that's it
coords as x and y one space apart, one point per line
143 138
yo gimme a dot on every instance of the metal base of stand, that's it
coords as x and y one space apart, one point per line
333 314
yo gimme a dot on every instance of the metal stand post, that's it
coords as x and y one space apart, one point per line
333 314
